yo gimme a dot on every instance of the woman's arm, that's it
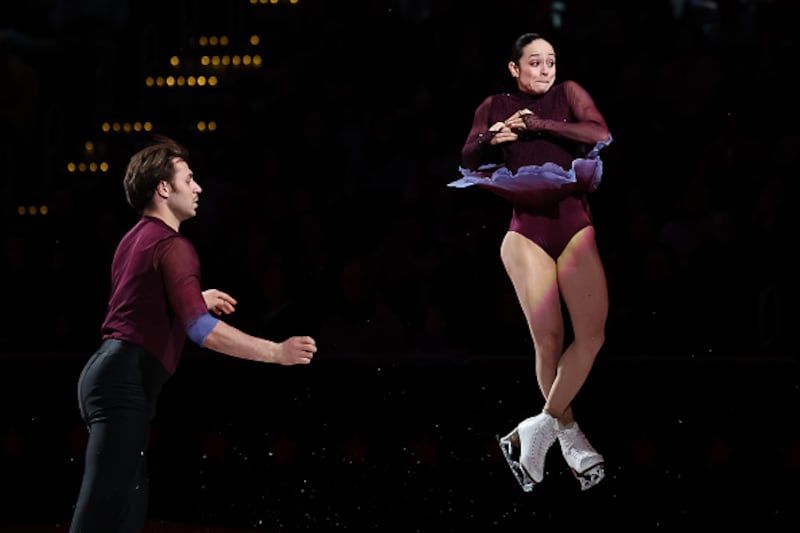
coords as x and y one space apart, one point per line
589 126
478 149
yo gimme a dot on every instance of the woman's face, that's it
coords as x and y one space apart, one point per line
535 70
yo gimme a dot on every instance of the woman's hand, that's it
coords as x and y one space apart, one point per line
516 122
219 302
510 128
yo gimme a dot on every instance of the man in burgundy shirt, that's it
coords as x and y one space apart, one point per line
156 303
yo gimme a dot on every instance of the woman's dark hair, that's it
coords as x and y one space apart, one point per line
522 41
148 167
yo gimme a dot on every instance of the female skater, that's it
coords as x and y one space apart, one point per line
540 143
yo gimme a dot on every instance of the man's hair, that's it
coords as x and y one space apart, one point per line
148 167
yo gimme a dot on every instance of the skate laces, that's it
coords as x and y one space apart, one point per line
575 445
536 437
542 440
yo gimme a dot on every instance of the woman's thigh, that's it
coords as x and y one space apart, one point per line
534 277
583 286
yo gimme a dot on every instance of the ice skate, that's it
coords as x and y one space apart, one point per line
525 448
586 463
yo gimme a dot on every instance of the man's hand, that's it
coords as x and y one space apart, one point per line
219 302
296 351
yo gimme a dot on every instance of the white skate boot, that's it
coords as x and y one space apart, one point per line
525 448
586 463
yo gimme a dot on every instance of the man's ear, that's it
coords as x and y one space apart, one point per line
162 189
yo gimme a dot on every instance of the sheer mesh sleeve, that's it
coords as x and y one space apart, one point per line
477 151
582 104
180 270
587 125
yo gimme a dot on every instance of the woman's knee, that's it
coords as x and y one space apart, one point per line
590 342
548 346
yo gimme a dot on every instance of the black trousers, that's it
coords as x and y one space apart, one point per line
117 393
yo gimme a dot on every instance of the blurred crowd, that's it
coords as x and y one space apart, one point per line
325 208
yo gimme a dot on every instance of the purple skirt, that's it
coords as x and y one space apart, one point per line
537 185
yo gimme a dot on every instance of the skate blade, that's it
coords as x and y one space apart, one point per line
591 477
520 474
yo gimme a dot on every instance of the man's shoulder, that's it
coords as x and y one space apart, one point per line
149 230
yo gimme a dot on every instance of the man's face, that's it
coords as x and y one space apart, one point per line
184 191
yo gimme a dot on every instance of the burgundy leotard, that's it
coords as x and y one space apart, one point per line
553 224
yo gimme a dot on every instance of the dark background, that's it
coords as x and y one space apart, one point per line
325 211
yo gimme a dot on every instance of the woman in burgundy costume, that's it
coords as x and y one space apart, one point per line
538 148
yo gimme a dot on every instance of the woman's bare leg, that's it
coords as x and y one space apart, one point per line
534 276
582 282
